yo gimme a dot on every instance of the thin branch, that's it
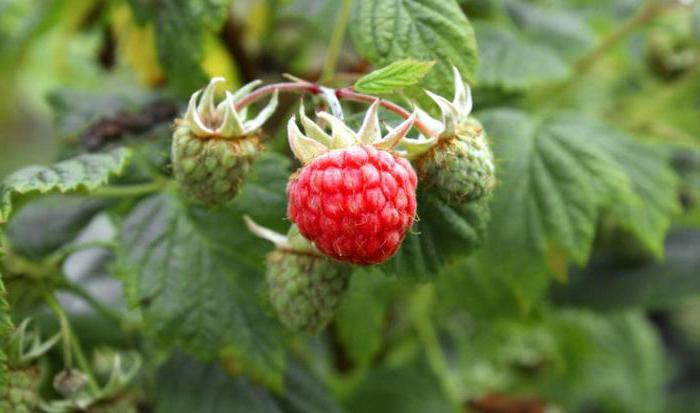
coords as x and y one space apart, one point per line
80 292
65 328
71 344
71 249
349 94
128 190
648 13
285 87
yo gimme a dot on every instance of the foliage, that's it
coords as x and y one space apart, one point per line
398 75
572 288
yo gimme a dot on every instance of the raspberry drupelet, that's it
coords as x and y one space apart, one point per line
354 198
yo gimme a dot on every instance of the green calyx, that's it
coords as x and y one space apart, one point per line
209 119
459 169
24 346
307 146
214 144
306 288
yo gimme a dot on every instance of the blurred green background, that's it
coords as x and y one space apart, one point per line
54 51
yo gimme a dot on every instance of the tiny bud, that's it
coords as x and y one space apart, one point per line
69 382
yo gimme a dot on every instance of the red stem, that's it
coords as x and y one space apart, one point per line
297 87
345 93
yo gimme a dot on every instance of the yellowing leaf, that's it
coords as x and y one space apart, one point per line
217 61
136 46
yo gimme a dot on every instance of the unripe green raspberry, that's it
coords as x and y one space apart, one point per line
305 288
459 168
214 145
455 161
211 171
69 382
21 394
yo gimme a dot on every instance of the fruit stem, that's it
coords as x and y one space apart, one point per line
423 301
646 14
100 308
71 345
129 190
64 326
346 93
276 238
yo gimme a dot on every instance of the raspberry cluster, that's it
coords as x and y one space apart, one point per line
353 200
355 204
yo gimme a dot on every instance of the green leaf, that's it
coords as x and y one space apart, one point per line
384 31
180 27
83 173
210 13
553 184
405 389
179 40
196 274
628 370
483 294
577 360
186 386
305 393
61 218
604 285
360 318
557 176
654 183
441 233
397 75
195 292
564 30
509 61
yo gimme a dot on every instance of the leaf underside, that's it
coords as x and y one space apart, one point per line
80 174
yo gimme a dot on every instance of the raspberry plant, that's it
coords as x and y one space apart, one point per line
350 206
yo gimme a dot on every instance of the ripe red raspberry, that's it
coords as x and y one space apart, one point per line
354 203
